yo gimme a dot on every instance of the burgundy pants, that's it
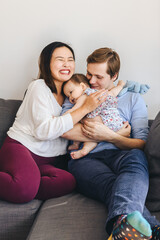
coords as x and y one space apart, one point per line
25 176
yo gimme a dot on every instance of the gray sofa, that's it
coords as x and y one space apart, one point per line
70 217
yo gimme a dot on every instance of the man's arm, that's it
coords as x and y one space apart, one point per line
128 143
99 132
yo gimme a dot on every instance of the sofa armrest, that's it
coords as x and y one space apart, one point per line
8 110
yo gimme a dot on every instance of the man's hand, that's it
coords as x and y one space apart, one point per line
97 131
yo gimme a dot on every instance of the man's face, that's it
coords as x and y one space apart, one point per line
98 77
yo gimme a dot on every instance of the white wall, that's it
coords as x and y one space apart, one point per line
131 27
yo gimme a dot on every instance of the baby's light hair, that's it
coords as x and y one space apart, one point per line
78 78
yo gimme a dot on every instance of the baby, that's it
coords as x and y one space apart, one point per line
76 89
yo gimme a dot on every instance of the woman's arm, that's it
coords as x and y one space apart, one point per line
76 134
78 104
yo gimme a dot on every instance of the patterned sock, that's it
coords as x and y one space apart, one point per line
156 232
131 227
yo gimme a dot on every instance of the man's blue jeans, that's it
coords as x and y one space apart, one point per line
119 178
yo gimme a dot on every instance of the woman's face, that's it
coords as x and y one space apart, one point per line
62 64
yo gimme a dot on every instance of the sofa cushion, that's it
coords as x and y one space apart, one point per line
8 109
17 219
70 217
152 151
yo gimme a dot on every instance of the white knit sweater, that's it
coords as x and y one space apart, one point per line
38 124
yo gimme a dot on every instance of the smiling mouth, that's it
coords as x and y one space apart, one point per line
65 72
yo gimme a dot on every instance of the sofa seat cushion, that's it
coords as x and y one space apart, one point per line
17 219
70 217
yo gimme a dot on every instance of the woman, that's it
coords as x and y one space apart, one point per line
34 141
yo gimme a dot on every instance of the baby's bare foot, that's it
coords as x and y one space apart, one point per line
78 154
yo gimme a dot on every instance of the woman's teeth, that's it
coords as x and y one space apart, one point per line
65 71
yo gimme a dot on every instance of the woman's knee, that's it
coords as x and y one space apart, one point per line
55 183
18 189
19 176
25 193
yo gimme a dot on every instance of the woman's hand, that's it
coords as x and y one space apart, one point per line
90 103
95 99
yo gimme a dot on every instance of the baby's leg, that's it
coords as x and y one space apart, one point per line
74 146
87 147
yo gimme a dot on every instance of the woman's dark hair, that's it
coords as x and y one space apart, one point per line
44 63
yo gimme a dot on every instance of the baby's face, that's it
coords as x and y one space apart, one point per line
73 91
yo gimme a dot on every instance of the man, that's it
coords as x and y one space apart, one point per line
116 171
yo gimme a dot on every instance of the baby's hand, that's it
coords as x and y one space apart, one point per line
125 130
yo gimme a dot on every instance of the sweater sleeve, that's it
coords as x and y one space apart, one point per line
51 128
42 114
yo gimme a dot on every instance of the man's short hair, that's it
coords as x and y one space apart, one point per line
109 56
